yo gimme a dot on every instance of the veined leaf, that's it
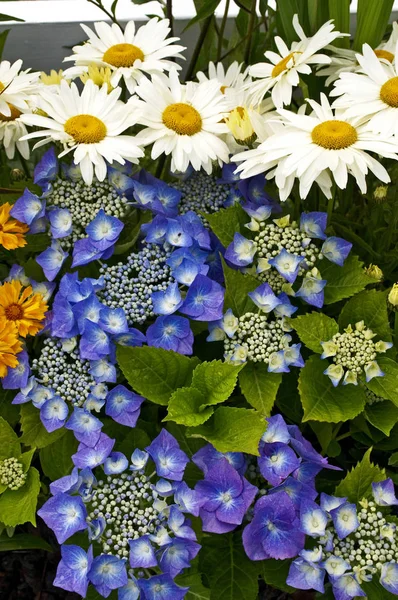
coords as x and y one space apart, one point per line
372 20
259 386
23 541
313 329
369 306
357 484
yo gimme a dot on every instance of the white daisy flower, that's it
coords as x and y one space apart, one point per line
11 131
128 54
313 148
372 95
89 125
283 71
184 121
16 86
233 77
343 60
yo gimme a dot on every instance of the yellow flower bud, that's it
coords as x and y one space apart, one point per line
99 75
393 295
240 126
375 272
54 78
380 193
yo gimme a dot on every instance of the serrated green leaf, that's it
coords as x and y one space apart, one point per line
344 282
232 430
197 591
313 329
26 458
216 380
369 306
231 574
393 460
237 286
387 386
185 407
56 458
19 506
23 541
10 445
33 431
372 19
134 438
155 373
259 386
357 484
226 222
382 415
275 572
323 402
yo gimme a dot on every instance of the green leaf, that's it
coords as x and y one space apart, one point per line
226 222
10 445
232 430
197 591
216 380
382 415
323 402
339 11
275 572
10 18
26 458
369 306
231 574
19 506
393 460
313 329
9 412
135 438
387 386
185 407
56 458
33 431
357 484
23 541
92 594
237 286
259 386
189 445
375 591
286 9
207 9
345 281
372 20
155 373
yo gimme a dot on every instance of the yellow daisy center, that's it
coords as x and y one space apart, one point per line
182 118
123 55
282 64
334 135
85 129
389 92
15 113
385 54
13 312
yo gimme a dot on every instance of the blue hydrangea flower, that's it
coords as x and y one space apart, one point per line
73 569
169 459
389 577
314 224
171 333
311 291
346 587
53 413
207 457
345 519
123 406
28 208
204 300
161 587
313 519
104 230
18 376
336 250
65 515
92 456
227 496
276 462
304 575
287 264
60 222
168 301
51 260
384 493
264 298
107 573
241 251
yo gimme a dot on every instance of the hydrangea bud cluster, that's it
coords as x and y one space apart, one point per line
354 544
256 338
371 397
202 193
84 202
61 368
130 284
352 352
135 514
12 474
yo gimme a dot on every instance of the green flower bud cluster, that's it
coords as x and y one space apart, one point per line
256 339
371 397
352 353
11 473
372 544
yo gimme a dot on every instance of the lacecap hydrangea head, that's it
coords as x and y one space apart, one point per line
133 512
285 475
261 336
353 353
353 544
284 254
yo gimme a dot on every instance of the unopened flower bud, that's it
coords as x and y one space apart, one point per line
375 272
238 122
380 193
393 295
17 175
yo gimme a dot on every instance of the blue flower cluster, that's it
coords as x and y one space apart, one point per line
283 253
354 544
134 515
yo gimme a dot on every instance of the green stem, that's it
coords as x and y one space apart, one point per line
222 29
198 47
169 14
343 436
98 4
250 32
330 206
396 326
24 165
160 166
242 41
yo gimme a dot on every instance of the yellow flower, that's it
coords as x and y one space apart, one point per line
10 345
54 78
99 75
22 307
11 230
240 125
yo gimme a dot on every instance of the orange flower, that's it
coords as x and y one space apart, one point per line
22 307
10 345
11 230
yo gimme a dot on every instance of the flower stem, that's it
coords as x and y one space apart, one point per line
250 32
169 14
98 4
24 165
198 47
222 29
